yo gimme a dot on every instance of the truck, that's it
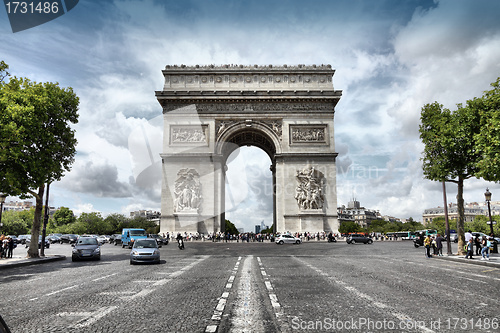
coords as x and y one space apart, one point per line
130 235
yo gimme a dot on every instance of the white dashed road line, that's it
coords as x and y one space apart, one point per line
386 308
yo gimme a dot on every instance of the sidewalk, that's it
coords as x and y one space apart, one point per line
493 262
18 261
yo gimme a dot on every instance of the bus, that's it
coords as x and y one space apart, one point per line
427 232
405 235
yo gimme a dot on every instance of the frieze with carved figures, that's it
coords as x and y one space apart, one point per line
188 134
308 134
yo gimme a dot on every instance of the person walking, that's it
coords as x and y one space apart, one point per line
10 247
470 248
485 251
427 244
477 243
439 245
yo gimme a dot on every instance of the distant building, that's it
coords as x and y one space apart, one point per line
18 205
147 214
471 210
354 212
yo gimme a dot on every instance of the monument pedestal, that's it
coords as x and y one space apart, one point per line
312 220
188 221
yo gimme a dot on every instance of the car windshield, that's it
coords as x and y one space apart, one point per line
146 243
137 233
87 241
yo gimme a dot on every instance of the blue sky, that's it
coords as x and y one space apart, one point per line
391 58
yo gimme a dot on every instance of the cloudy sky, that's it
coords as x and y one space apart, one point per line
391 58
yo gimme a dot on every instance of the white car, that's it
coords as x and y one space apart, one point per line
282 239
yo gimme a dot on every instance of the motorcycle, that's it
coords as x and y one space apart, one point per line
180 243
418 242
331 239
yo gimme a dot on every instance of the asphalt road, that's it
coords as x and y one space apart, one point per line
254 287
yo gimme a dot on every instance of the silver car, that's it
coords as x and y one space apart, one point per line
145 250
282 239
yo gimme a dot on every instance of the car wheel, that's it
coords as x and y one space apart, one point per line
280 242
353 241
131 262
370 241
73 259
297 242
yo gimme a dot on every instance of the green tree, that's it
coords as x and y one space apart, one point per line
117 222
480 224
37 143
231 228
438 224
449 150
62 216
14 223
93 223
488 138
347 227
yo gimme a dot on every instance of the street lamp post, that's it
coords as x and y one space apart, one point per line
487 196
2 200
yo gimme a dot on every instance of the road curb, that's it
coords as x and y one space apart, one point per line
477 261
31 261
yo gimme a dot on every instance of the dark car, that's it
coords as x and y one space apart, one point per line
160 240
47 243
86 248
53 239
358 238
115 239
69 238
22 238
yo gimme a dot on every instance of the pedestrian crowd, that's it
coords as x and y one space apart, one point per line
7 246
482 244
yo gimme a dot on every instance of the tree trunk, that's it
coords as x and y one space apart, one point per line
461 214
35 229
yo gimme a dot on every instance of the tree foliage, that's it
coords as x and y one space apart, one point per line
37 143
231 228
348 227
449 149
462 144
488 138
62 216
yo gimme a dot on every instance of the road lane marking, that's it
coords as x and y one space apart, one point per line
90 318
247 312
221 305
371 301
61 290
95 316
104 277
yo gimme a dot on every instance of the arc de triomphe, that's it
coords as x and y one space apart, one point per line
209 111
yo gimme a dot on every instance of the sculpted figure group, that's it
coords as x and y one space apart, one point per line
309 191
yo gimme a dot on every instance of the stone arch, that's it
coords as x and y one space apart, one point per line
287 111
248 133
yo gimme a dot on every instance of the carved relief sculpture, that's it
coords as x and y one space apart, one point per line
309 191
187 191
195 134
307 134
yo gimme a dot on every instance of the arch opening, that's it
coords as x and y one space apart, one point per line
244 149
249 195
